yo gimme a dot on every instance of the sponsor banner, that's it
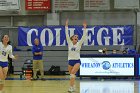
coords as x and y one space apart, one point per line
103 66
96 4
126 4
65 5
9 4
38 4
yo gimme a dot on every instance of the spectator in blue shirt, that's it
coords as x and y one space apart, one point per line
37 51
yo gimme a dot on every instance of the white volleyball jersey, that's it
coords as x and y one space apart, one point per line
74 50
4 52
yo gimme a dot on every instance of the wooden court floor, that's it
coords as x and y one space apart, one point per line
52 84
60 84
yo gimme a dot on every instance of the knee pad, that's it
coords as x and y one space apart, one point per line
72 76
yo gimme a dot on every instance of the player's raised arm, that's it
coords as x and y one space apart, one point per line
66 32
84 33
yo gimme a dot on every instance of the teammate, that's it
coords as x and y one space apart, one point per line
74 47
5 50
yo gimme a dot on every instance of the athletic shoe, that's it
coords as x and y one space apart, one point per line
74 88
43 79
33 79
71 89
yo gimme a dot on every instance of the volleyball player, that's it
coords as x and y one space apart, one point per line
74 47
5 50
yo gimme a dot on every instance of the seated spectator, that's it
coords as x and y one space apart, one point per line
100 51
132 51
104 51
124 52
114 51
16 49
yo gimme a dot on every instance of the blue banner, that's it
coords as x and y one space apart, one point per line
96 35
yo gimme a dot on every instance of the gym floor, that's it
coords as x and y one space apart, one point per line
52 84
60 84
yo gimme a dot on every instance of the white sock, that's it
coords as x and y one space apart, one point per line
71 89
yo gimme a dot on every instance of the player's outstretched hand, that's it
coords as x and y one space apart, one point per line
84 24
67 21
